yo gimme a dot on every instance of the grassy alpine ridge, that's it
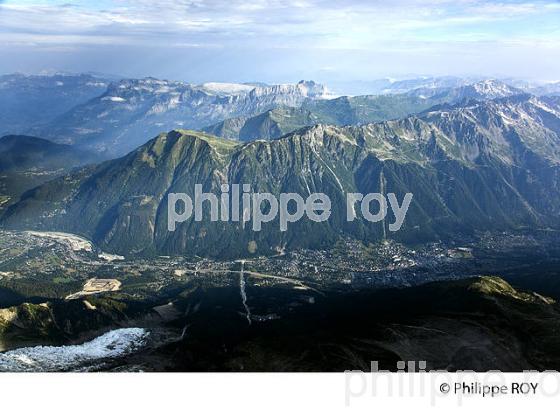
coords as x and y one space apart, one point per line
491 165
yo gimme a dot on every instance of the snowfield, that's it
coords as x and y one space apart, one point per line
227 88
87 356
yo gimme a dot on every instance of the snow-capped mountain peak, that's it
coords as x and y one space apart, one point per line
492 89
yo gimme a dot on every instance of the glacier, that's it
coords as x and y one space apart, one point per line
87 356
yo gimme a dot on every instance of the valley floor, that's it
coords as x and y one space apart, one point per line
330 310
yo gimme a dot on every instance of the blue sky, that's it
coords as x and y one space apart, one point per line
282 40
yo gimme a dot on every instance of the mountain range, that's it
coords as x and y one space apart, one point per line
473 165
114 116
130 112
354 110
385 86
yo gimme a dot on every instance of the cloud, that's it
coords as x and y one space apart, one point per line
396 29
272 20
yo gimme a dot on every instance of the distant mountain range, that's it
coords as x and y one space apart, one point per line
113 116
131 111
353 110
474 165
405 85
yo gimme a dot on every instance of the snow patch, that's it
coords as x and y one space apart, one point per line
227 88
113 99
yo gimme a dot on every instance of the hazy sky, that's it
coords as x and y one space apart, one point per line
282 40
